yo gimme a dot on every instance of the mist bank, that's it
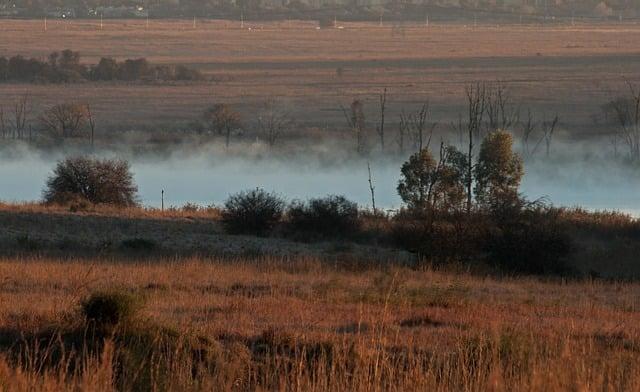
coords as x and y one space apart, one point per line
572 176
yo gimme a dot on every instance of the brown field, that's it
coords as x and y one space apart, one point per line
384 329
229 312
567 69
289 313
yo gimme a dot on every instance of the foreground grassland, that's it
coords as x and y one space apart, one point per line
223 312
302 324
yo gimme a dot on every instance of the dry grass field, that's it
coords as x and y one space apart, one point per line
557 68
235 312
182 305
300 324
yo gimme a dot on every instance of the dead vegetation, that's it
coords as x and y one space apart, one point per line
269 323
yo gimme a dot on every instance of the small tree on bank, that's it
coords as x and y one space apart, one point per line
498 171
107 181
223 120
273 121
427 185
65 120
418 175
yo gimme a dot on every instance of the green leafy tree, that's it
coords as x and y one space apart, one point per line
499 170
418 175
452 176
428 185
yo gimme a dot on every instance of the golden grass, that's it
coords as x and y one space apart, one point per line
411 330
105 210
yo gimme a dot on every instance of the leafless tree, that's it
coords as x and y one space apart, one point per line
21 112
356 121
64 120
614 143
548 128
223 120
380 128
273 122
403 128
92 124
627 115
419 127
3 123
372 189
528 128
500 111
476 105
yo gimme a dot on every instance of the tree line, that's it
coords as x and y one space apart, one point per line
66 67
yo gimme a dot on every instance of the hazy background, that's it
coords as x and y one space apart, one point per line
573 176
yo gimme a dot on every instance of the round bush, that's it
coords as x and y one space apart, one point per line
110 308
252 212
330 216
107 181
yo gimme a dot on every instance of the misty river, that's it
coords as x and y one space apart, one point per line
206 181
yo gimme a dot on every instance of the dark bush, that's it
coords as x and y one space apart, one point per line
185 73
65 67
25 242
138 69
451 238
4 69
108 309
331 216
106 69
138 244
252 212
519 238
532 242
97 181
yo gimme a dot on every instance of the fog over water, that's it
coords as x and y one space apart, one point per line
207 179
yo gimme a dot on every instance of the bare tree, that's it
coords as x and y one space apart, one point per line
273 122
380 128
548 128
528 128
372 189
614 143
223 120
3 123
92 124
356 121
501 113
627 114
403 128
476 105
65 120
21 111
419 127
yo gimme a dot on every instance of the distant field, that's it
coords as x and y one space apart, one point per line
568 69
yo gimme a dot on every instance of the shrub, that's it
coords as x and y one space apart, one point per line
191 207
138 244
25 242
108 309
97 181
453 238
252 212
330 216
532 242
